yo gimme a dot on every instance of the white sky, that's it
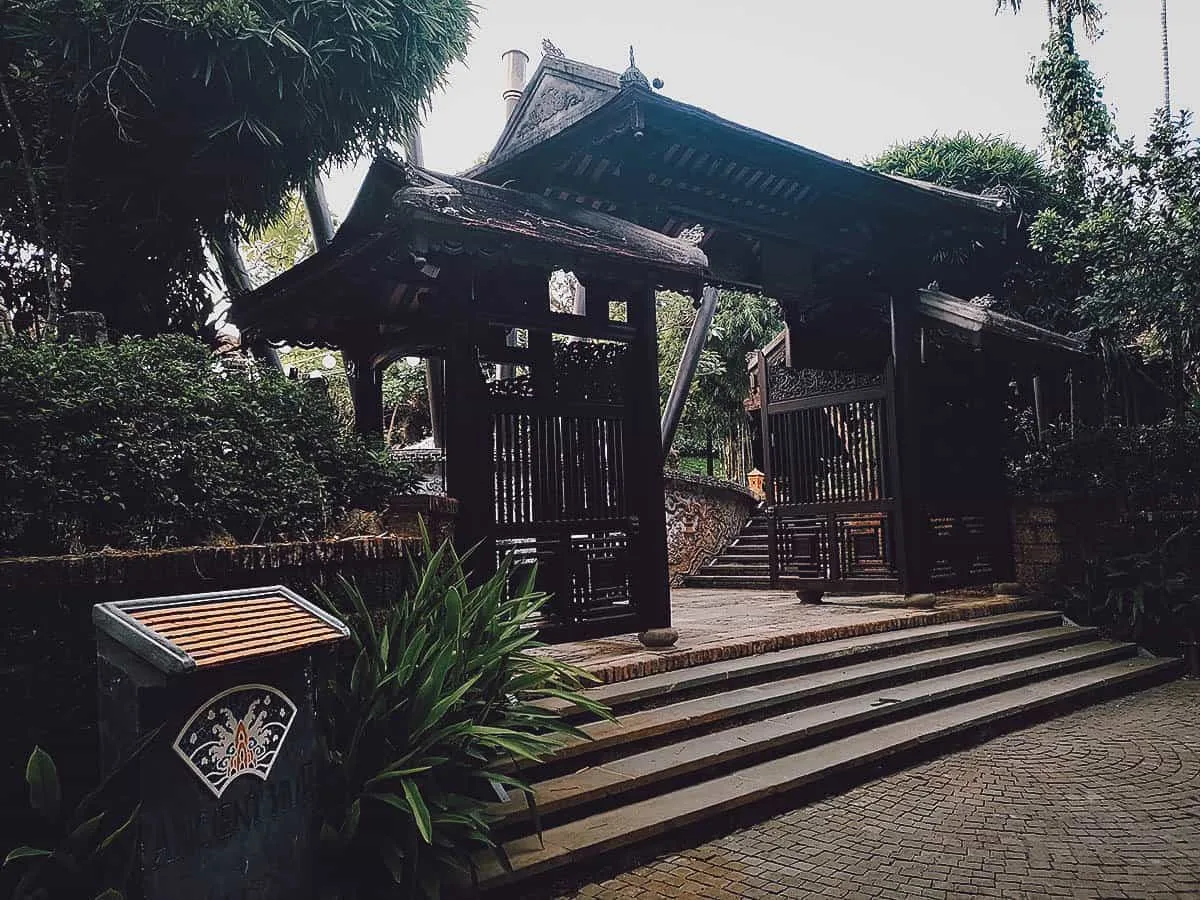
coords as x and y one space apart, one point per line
845 77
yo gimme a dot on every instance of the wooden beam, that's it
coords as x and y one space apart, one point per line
469 463
365 376
644 467
907 462
559 323
762 376
435 387
688 362
319 219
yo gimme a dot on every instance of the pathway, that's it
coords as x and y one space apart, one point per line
1104 802
716 624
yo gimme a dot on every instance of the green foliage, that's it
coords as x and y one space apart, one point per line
86 853
1151 596
1135 240
153 443
440 694
743 323
1063 13
1078 123
277 246
405 398
1020 278
1157 464
989 165
132 127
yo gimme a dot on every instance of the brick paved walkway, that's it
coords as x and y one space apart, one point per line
1104 802
717 624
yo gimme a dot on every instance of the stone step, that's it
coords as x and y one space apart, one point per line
749 554
634 772
727 581
665 686
1005 657
734 567
860 754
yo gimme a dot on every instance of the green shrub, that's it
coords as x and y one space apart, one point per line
152 443
438 697
84 853
1158 463
1151 597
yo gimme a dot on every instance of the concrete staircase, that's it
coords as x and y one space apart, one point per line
700 743
743 564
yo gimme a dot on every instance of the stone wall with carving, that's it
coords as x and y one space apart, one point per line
703 516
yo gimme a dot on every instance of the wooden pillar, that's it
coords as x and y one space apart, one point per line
1072 414
435 388
688 363
366 391
1039 409
762 377
644 473
469 463
912 529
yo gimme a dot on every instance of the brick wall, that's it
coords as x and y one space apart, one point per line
1055 535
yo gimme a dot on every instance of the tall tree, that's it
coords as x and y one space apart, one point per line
133 128
1166 60
1062 14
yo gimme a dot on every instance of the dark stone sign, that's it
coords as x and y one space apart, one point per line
227 785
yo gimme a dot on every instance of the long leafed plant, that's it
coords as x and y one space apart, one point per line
422 723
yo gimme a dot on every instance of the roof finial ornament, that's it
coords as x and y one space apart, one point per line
633 77
549 48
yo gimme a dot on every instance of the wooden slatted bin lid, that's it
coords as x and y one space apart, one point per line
203 631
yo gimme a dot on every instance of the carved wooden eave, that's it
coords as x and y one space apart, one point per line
386 268
766 205
988 330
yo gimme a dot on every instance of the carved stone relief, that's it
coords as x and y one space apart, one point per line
554 97
703 517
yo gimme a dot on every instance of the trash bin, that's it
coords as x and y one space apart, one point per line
227 785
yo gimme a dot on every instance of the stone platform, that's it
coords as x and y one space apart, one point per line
720 624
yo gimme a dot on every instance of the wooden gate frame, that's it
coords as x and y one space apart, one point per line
831 510
470 464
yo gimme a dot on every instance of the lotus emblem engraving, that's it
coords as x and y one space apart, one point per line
238 732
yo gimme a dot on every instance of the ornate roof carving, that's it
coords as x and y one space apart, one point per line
633 77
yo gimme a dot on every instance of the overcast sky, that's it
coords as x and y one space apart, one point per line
846 77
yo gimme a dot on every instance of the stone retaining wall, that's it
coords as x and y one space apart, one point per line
1055 535
703 516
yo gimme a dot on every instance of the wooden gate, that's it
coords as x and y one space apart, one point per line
560 491
830 466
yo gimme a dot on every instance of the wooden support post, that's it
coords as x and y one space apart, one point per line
469 462
1072 414
764 420
225 250
366 392
644 473
1039 412
688 362
913 530
319 220
435 387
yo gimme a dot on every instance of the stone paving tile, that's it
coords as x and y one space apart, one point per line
1104 802
717 624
